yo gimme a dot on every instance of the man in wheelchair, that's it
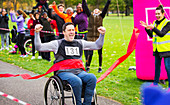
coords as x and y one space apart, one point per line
69 51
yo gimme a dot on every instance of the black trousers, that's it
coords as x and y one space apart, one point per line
20 43
46 55
90 55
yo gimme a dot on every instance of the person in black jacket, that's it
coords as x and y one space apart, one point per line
59 20
159 31
4 25
41 3
45 21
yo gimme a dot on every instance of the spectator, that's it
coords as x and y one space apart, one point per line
54 26
67 16
4 33
41 3
20 29
95 21
31 27
159 31
45 21
58 19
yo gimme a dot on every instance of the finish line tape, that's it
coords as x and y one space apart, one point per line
13 98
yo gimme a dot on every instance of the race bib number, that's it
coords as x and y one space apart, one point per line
71 51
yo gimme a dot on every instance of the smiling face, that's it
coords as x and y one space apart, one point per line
69 33
37 16
69 11
61 8
96 11
3 12
79 8
45 15
159 15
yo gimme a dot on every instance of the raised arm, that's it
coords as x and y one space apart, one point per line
105 9
13 17
40 17
87 45
62 15
85 8
51 46
50 15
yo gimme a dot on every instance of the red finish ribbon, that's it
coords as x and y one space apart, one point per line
76 63
65 64
131 48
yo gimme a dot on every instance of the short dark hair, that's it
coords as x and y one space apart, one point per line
160 7
60 5
66 24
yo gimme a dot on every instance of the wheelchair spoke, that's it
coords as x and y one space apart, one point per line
53 93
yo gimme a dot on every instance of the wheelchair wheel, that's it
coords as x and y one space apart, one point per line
28 46
53 92
69 97
94 99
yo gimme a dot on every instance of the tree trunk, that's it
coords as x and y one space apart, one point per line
2 3
15 5
127 12
97 5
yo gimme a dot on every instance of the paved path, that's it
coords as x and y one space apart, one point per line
29 91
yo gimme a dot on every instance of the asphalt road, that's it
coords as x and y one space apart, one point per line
29 91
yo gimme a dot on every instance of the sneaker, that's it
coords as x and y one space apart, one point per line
21 56
33 57
99 70
39 57
7 48
1 49
87 69
154 84
162 82
13 51
25 56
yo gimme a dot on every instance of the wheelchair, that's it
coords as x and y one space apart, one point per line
59 92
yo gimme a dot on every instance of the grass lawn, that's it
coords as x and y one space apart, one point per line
121 85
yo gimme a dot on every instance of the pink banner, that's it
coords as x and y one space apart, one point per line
145 10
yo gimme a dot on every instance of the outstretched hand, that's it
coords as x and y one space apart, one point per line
142 23
38 28
102 30
53 3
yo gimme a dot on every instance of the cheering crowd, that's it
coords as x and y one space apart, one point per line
51 17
